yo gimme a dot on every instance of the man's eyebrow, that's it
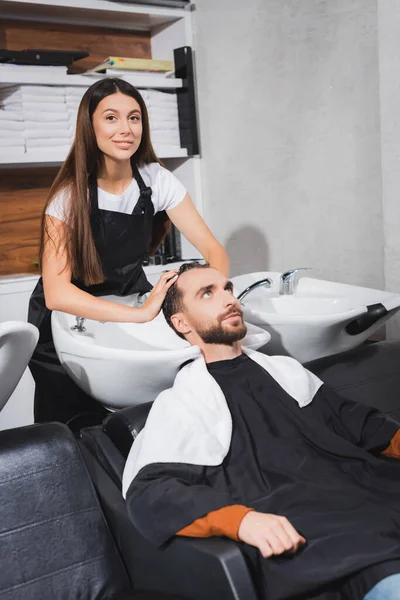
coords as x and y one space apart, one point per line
210 287
204 289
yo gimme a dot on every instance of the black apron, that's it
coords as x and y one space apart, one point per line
122 241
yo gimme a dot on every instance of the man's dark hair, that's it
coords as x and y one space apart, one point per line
173 299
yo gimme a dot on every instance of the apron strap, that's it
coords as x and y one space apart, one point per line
145 193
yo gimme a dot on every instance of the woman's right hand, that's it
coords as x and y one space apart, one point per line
153 304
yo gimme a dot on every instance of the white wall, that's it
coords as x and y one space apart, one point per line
389 68
290 133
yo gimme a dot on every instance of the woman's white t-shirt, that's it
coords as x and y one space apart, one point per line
167 193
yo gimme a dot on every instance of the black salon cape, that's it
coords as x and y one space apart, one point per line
319 466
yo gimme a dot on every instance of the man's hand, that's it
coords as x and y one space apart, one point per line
271 534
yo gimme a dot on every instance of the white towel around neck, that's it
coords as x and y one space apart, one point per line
191 422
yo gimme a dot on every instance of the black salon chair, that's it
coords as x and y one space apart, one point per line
55 543
215 568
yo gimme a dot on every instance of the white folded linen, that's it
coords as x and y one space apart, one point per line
164 125
161 97
44 142
6 100
37 134
10 115
196 412
44 107
7 153
75 90
49 90
171 109
11 126
163 114
13 107
71 98
11 140
41 126
34 90
44 116
56 100
54 152
170 136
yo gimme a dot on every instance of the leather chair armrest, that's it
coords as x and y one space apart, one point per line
198 569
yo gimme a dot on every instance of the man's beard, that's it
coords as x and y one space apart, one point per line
218 334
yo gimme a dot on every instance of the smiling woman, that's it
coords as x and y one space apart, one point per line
110 205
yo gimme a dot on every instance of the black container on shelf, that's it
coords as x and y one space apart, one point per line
168 252
186 96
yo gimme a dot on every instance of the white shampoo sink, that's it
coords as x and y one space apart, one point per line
319 319
124 364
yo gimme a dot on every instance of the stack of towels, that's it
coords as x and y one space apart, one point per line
37 118
163 116
73 97
42 111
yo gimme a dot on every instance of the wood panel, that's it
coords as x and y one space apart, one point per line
100 42
23 193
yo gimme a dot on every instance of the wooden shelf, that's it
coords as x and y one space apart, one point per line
53 157
92 12
140 81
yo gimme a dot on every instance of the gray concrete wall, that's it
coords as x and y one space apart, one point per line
389 69
289 123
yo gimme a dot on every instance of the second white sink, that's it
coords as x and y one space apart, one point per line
321 318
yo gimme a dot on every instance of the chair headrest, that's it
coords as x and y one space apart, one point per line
123 426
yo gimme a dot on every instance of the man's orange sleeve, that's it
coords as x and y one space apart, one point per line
393 450
224 521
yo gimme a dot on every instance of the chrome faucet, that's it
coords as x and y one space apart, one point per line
289 280
141 299
267 282
79 325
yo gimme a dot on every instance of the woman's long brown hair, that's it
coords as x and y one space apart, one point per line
83 163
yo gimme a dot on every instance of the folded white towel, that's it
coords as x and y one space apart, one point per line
44 107
161 97
164 125
42 153
75 90
168 108
11 140
5 100
34 90
11 151
73 98
43 90
47 142
10 115
164 104
166 140
49 125
34 100
13 107
196 411
37 134
44 116
11 126
173 133
163 114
